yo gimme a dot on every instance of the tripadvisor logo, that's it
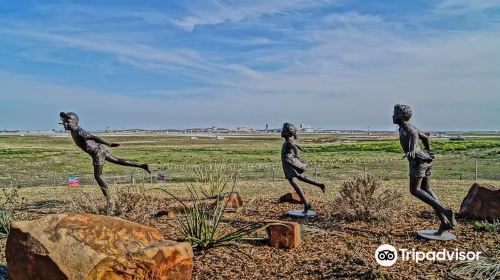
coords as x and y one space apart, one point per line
387 255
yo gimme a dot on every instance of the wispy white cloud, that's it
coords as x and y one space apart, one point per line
352 19
216 12
459 7
139 55
85 12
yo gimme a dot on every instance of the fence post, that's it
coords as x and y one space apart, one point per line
236 174
476 170
273 173
316 171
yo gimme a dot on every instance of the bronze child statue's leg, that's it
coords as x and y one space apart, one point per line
445 215
124 162
426 187
312 182
103 185
300 192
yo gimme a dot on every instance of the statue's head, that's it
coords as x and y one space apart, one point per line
69 120
402 113
288 131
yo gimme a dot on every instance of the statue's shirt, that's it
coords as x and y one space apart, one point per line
91 147
292 164
406 132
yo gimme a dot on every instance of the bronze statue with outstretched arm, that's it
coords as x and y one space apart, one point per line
93 146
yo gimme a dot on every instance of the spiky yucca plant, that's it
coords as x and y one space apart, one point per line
487 267
202 223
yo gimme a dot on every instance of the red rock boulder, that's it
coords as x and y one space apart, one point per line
283 234
92 247
482 202
292 197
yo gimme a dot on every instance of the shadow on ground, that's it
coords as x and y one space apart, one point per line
44 204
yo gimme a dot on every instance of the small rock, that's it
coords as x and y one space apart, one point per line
292 197
283 234
482 202
234 201
76 247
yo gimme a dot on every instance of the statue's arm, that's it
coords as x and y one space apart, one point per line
413 140
424 136
291 154
102 141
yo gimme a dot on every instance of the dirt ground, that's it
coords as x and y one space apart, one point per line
331 247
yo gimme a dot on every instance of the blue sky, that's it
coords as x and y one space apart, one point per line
177 64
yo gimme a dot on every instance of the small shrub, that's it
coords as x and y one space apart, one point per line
129 203
85 202
486 226
133 204
363 199
9 202
5 219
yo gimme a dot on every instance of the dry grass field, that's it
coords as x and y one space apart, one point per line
333 247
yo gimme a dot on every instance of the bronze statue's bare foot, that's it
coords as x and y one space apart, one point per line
307 207
147 168
443 227
109 209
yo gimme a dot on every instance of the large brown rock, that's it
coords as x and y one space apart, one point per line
482 202
292 197
92 247
283 234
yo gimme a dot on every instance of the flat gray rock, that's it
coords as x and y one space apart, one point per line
301 214
432 234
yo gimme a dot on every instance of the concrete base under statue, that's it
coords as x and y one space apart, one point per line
432 234
301 214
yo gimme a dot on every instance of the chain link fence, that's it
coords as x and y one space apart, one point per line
385 169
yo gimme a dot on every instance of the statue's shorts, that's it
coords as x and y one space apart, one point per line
98 154
420 169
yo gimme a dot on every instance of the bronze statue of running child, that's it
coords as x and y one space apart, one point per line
420 162
93 146
293 166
